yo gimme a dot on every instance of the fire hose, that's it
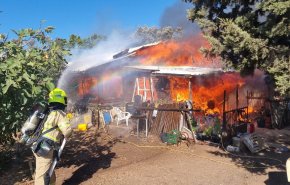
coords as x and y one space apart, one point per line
55 160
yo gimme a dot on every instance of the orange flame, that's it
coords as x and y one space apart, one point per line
205 88
177 53
85 85
186 53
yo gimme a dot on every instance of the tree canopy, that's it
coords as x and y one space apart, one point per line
154 34
30 65
247 35
84 43
29 68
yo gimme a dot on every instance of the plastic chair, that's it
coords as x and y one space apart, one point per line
121 115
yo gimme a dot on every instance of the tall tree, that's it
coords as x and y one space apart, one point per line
153 34
248 34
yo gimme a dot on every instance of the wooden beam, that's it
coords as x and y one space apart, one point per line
190 89
151 89
224 112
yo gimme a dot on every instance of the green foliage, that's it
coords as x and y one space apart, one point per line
208 131
85 43
153 34
29 66
248 35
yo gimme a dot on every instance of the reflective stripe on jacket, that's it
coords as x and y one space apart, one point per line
57 118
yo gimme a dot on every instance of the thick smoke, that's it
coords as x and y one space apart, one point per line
175 16
82 60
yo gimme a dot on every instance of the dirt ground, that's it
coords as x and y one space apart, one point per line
119 157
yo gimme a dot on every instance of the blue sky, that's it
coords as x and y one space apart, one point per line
82 17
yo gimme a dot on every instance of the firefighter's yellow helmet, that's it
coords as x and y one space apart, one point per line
57 95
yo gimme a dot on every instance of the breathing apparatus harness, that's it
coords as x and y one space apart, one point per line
32 128
42 145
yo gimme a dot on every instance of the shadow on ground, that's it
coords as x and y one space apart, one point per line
83 152
270 158
275 178
256 163
262 162
16 166
87 155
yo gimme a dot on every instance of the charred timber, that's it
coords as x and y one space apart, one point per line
258 97
236 110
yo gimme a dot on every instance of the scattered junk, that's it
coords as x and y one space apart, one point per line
253 142
82 127
81 122
173 137
232 148
281 149
175 98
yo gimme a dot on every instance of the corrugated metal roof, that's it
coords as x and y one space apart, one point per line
178 70
131 51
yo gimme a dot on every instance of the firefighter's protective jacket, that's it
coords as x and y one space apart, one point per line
57 118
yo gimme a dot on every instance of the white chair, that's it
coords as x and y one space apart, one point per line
121 115
288 169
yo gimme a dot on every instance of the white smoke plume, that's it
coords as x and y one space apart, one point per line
118 41
103 52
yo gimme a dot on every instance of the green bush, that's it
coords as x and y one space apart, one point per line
29 66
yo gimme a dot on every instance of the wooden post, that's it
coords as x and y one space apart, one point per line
190 89
237 97
151 89
138 121
135 86
247 105
145 89
224 112
138 87
237 104
98 118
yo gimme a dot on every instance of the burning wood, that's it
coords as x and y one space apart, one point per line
177 53
173 71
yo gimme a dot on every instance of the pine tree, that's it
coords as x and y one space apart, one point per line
248 35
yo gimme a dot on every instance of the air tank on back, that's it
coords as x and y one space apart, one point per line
31 124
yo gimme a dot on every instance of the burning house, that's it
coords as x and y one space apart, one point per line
168 73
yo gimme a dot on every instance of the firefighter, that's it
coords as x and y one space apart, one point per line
55 128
